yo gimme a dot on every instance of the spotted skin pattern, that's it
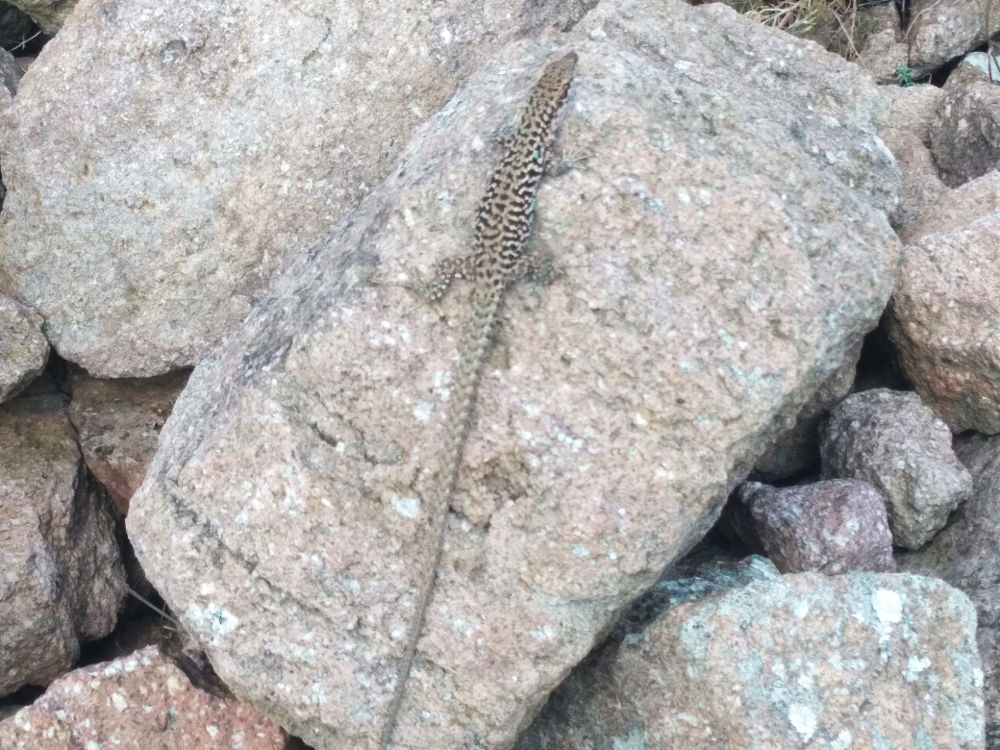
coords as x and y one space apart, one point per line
499 256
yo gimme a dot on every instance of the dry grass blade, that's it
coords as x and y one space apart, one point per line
832 23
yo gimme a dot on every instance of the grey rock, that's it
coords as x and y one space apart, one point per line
857 660
10 71
891 440
945 30
289 493
967 555
207 142
23 348
63 580
945 310
882 47
831 527
965 133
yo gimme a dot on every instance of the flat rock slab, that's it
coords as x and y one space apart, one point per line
712 272
208 140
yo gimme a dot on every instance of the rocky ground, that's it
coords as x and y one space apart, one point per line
733 476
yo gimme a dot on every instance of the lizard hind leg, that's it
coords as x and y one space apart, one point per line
445 272
558 163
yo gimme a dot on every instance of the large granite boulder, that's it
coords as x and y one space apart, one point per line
719 253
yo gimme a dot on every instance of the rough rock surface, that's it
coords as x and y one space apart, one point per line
829 527
803 660
954 210
945 312
946 29
713 272
62 579
23 348
48 14
10 72
692 579
891 440
967 555
797 447
137 701
905 132
119 422
883 48
965 134
142 230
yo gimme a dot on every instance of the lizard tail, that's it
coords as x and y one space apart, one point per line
461 405
458 420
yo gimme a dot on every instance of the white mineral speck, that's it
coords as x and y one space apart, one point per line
803 719
888 605
915 666
842 741
173 685
408 507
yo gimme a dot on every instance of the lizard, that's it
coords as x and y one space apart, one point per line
499 256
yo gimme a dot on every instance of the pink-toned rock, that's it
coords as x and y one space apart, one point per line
61 577
965 134
859 660
955 209
945 310
830 527
142 233
891 440
714 273
23 348
141 701
119 423
905 132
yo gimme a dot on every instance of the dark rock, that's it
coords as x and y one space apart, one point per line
835 526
